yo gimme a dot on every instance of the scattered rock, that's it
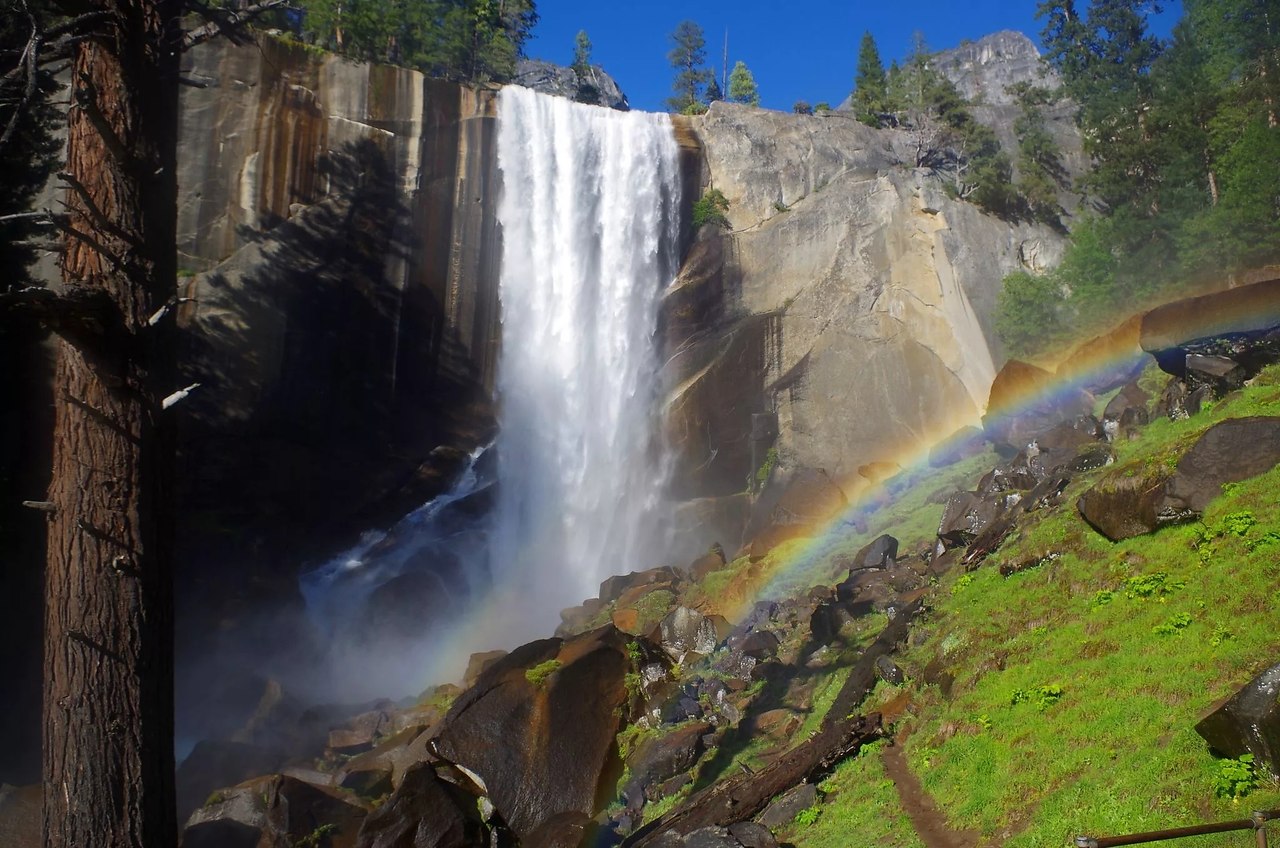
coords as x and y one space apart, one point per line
965 517
1248 722
425 811
888 671
752 835
273 810
214 764
783 811
1022 406
879 553
1228 452
659 760
477 663
557 729
685 630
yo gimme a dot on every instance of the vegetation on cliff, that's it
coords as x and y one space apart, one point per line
1185 148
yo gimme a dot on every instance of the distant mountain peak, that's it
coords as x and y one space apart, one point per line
986 67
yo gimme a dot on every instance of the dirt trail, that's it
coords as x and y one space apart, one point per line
929 823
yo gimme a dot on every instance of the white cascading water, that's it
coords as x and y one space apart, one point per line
590 220
589 210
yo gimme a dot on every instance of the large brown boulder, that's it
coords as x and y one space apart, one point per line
555 706
1238 312
1133 500
1248 722
1025 402
425 812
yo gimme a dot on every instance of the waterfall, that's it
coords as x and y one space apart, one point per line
589 212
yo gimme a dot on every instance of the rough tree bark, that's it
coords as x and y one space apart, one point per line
108 665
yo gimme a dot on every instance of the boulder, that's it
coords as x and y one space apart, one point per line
361 732
1219 373
783 811
658 760
1023 404
557 726
1248 722
613 588
1228 452
751 834
563 830
574 620
712 560
879 553
684 630
214 764
425 812
1236 323
1131 401
273 810
966 516
888 671
478 662
1131 501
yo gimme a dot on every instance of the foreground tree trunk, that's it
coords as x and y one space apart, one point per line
108 665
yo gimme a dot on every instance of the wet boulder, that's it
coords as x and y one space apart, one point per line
1023 405
613 588
1129 410
563 830
1239 324
879 553
1248 722
966 516
1219 373
557 706
658 760
1126 503
685 630
273 810
783 811
213 764
425 812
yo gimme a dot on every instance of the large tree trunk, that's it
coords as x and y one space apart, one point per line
108 673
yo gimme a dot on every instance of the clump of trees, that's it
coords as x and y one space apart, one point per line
1185 145
694 84
464 40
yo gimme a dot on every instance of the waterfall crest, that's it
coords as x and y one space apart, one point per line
589 211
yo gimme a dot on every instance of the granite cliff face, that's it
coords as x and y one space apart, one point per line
847 308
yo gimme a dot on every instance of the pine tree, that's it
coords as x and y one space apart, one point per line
871 85
742 86
581 53
688 53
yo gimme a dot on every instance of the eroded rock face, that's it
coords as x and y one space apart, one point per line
557 728
273 811
594 87
855 300
425 812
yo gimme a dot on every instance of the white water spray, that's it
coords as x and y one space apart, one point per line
590 219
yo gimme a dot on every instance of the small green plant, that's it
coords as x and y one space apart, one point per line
1238 523
1155 585
1102 598
1041 697
1174 624
766 467
215 797
963 583
779 206
710 209
316 838
984 721
1267 540
808 816
539 673
1235 778
1220 634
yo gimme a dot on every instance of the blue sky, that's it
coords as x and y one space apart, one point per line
797 51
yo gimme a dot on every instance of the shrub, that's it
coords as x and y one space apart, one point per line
710 209
808 816
540 672
1235 778
1042 697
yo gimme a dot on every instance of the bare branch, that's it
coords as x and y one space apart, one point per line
224 22
45 218
178 396
43 506
28 61
84 315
